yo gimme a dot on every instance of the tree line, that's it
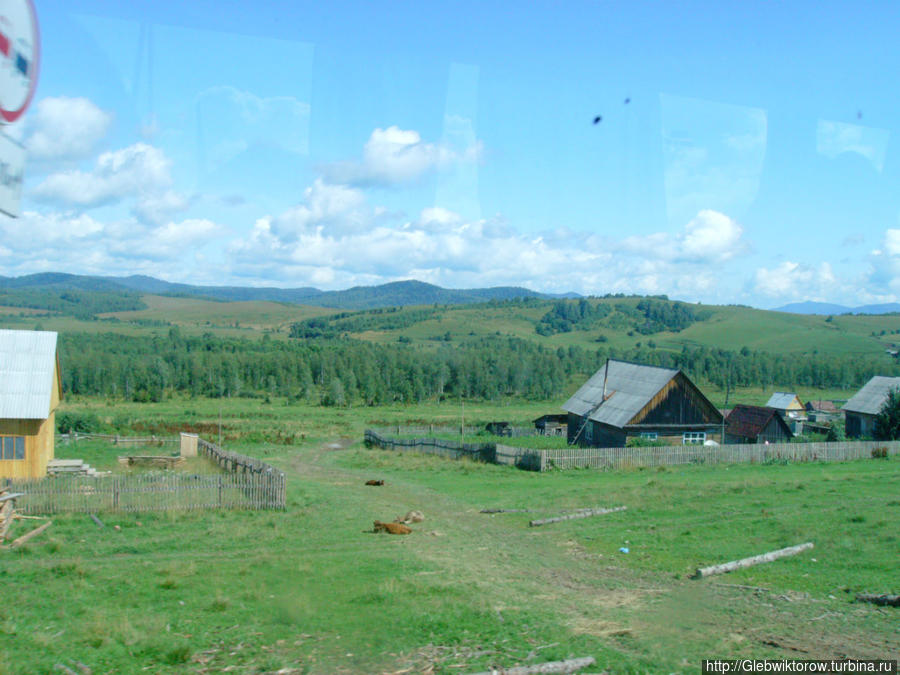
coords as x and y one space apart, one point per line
354 372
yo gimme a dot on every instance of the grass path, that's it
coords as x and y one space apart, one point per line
310 589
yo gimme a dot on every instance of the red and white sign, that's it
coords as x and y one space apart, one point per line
20 56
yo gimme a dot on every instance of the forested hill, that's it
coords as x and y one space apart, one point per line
398 293
522 347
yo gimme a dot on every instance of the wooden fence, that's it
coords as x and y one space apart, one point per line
247 484
620 458
445 430
75 436
492 453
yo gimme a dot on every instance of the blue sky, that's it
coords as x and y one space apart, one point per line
334 144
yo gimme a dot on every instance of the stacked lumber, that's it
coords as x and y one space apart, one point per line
70 467
162 461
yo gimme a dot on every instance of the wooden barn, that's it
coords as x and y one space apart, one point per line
861 410
30 391
626 400
756 424
552 425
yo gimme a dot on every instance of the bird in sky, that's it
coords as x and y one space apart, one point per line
627 101
598 119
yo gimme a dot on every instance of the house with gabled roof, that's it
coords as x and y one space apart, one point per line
862 409
787 403
30 391
626 400
756 424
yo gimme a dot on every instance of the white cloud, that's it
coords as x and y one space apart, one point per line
796 281
66 128
836 138
137 169
394 156
170 241
338 208
82 244
157 208
709 237
441 247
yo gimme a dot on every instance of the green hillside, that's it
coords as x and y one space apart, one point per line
724 327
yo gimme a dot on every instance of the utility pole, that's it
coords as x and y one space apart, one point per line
462 420
220 425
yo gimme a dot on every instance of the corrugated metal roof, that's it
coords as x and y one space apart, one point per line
871 397
782 400
750 421
629 387
27 360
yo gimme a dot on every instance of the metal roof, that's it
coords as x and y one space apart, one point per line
750 421
629 387
781 400
871 397
27 362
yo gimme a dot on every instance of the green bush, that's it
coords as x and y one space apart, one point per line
67 422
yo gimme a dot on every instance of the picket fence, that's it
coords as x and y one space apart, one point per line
620 458
246 483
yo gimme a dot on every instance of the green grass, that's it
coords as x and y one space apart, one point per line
728 327
310 589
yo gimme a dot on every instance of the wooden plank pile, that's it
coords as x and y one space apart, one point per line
77 467
161 461
8 515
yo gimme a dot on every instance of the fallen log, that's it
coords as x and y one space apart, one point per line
750 562
587 513
549 668
30 535
505 510
882 599
96 520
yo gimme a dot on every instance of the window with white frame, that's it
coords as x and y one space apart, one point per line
693 438
649 435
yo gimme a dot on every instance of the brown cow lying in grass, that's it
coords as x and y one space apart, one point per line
391 528
374 482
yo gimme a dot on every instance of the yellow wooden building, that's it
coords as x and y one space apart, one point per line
30 390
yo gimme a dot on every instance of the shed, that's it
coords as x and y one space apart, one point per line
788 404
30 391
862 409
551 425
756 424
498 428
628 400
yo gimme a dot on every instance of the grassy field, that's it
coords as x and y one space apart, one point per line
311 589
727 327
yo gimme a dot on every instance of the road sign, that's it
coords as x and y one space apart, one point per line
12 163
20 56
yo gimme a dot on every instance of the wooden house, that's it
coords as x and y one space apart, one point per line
822 411
30 391
861 410
626 400
552 425
756 424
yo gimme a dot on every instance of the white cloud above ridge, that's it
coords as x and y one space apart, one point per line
797 281
64 128
395 156
134 170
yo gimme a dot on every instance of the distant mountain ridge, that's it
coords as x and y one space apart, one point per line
826 308
393 294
